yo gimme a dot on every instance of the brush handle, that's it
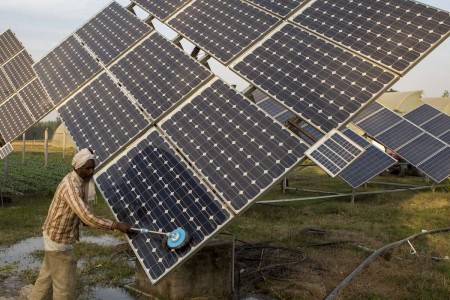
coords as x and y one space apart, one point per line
145 230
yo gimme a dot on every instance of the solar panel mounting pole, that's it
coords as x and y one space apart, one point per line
23 148
46 147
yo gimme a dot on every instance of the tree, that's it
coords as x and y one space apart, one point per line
446 94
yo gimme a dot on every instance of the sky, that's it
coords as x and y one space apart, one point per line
42 24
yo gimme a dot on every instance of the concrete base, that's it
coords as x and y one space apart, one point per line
206 275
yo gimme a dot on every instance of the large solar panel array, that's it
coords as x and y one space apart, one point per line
431 120
334 152
210 153
23 101
428 153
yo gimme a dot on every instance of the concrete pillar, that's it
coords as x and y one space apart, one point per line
207 274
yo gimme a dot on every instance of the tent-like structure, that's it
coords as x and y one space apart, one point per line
441 103
60 134
401 102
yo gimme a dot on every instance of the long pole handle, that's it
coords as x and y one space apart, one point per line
145 230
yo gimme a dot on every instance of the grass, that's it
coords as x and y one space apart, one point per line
349 230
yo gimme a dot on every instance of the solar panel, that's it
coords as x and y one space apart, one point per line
395 33
15 118
65 68
234 145
431 120
111 32
9 46
6 150
320 82
102 118
438 165
284 117
371 163
272 107
161 9
280 8
409 141
445 137
6 89
334 152
159 84
19 70
36 99
422 114
223 28
151 186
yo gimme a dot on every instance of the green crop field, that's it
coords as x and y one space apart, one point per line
289 250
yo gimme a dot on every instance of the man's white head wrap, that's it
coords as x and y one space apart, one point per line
88 188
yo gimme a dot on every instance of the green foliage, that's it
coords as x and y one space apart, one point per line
446 94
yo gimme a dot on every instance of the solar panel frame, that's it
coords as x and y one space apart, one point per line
161 192
408 31
233 33
111 32
239 169
324 84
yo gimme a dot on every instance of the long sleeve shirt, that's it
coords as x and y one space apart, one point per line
66 211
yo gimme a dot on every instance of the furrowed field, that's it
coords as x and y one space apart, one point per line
289 250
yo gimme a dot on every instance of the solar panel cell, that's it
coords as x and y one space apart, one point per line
320 82
152 187
65 68
159 84
223 28
238 148
111 32
19 70
102 118
396 33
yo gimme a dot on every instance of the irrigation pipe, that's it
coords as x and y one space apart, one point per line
373 256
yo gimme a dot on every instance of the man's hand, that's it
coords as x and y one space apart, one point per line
125 228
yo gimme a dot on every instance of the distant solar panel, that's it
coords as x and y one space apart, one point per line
15 118
396 33
36 100
65 68
151 186
280 8
6 150
334 152
19 70
409 141
161 9
9 46
234 145
223 28
371 163
102 118
111 32
320 82
284 117
272 107
431 120
158 74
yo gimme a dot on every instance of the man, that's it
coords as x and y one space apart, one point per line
69 207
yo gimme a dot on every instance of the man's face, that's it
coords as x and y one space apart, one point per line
87 170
